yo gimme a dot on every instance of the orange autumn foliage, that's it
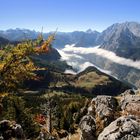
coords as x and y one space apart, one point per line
41 119
46 45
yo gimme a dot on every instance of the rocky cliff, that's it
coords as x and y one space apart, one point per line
112 118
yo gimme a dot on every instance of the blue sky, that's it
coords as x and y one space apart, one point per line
67 15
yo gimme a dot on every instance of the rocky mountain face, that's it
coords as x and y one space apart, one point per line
134 27
112 118
123 39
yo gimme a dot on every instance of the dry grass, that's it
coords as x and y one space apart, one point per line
118 98
91 79
131 112
75 136
99 125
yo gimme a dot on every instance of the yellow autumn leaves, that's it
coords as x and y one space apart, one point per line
16 65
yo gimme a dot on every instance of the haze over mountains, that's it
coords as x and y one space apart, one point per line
80 38
125 34
123 39
118 49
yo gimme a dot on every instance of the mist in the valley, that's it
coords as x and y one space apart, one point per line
80 58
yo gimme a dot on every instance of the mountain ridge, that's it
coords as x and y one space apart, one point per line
122 39
108 37
62 38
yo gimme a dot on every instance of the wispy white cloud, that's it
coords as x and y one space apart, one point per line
77 59
71 53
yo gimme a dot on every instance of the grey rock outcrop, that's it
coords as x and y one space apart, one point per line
88 128
128 92
122 39
115 118
105 107
131 104
129 99
124 128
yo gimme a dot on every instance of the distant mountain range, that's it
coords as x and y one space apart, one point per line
121 38
80 38
18 34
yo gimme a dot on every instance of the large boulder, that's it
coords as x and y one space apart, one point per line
102 108
130 104
88 128
105 107
105 110
128 92
124 128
